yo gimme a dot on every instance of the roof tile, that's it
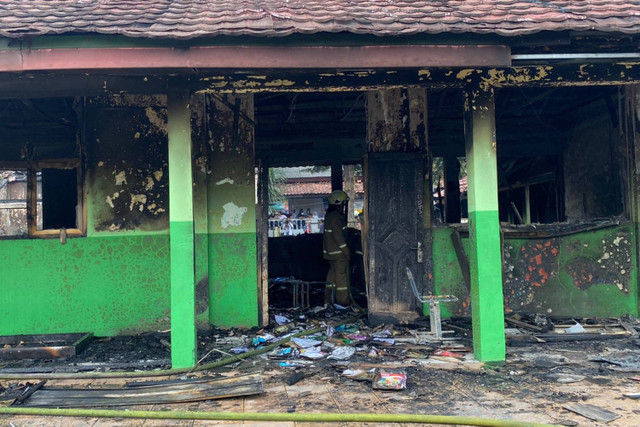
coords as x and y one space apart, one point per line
195 18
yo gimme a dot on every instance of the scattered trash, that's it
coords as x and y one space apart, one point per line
388 380
283 353
374 353
446 353
576 329
282 329
384 341
281 320
632 395
238 350
261 339
359 374
312 353
294 364
295 378
342 353
568 379
305 342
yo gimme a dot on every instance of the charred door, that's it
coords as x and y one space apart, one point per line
395 191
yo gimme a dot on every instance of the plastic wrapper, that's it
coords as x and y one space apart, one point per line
390 380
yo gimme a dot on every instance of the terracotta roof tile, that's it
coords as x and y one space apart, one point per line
193 18
314 187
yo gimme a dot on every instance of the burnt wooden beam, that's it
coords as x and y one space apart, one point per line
51 85
68 84
43 346
369 79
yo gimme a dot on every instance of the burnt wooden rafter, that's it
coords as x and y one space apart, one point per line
48 85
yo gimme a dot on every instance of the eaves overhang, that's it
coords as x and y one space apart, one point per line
255 57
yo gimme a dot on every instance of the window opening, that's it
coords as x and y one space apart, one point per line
59 206
13 203
449 189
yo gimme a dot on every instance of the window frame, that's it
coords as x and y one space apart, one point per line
31 168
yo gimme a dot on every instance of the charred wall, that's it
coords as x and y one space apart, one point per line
127 163
592 163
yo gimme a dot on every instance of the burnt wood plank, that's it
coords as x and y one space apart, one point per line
190 391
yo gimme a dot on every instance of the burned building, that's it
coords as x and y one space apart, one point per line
497 140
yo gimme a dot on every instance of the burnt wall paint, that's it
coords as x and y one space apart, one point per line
127 163
115 280
589 274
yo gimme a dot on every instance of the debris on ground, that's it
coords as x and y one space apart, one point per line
593 412
308 350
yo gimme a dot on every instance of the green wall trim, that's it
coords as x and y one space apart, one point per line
486 286
183 287
233 278
183 310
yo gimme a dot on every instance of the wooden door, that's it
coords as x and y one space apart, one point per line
394 205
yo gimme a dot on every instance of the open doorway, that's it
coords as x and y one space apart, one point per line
298 201
300 138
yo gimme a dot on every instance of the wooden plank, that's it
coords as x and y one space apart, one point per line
187 391
36 352
523 325
41 338
38 346
593 412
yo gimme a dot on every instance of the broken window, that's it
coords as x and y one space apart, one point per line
41 200
559 155
41 191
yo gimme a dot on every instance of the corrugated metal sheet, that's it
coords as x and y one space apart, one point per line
185 19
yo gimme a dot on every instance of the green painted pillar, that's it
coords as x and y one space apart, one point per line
484 226
183 326
231 201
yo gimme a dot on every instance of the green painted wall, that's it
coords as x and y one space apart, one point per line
589 274
105 285
233 279
231 217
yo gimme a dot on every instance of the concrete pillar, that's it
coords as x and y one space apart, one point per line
484 226
231 199
183 327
